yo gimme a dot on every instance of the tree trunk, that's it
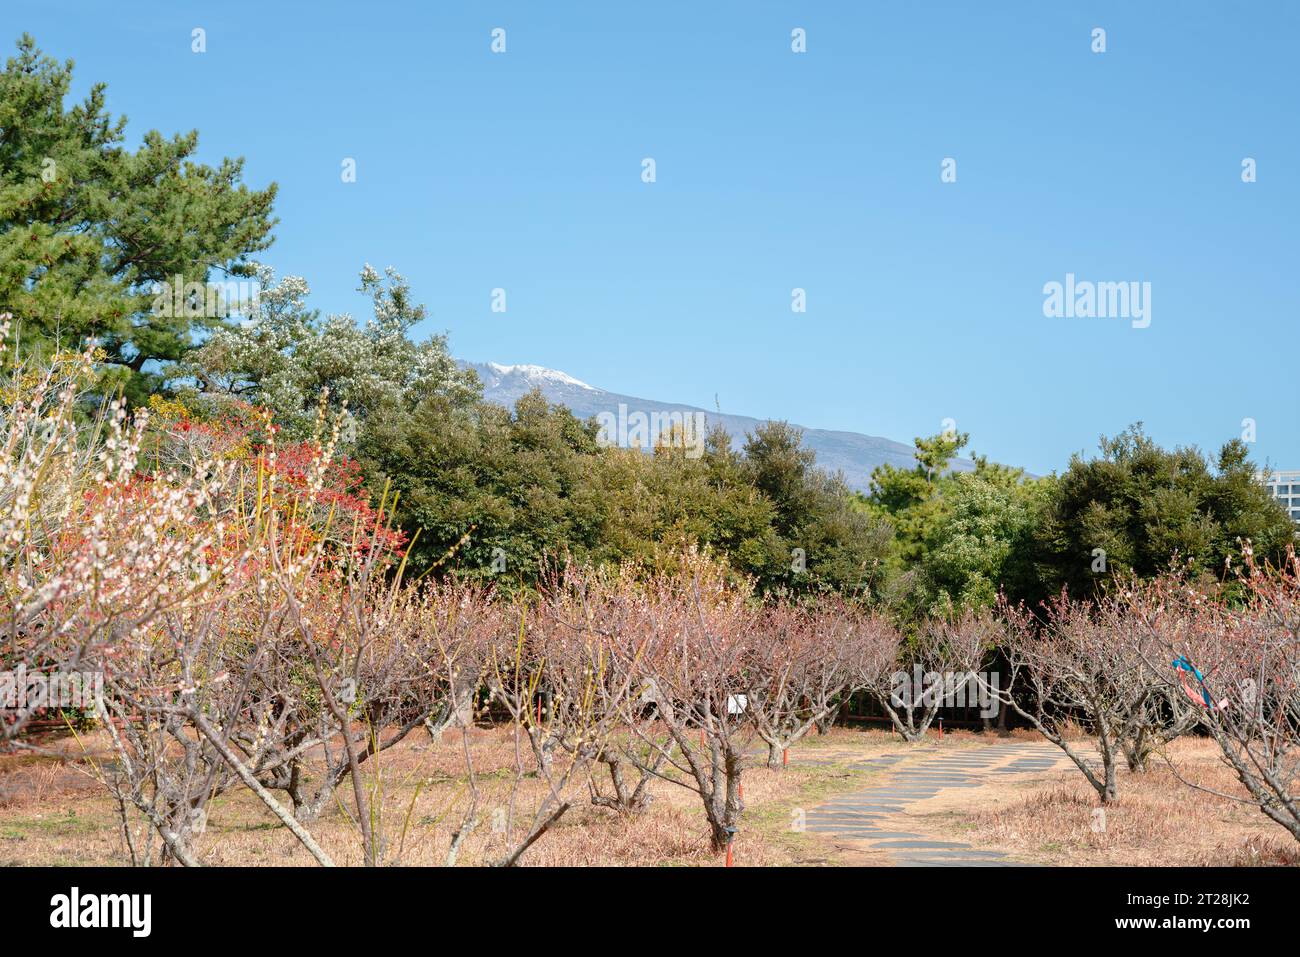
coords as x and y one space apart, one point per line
719 837
625 800
723 805
542 746
774 753
1110 792
827 721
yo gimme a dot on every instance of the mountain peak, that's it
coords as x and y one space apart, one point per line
850 453
539 375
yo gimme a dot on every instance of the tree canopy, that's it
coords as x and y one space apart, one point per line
95 236
1141 507
97 240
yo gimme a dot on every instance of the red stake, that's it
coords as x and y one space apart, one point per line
785 757
728 853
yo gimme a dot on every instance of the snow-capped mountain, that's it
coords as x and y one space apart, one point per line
851 453
494 375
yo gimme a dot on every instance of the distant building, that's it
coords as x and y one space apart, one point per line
1285 487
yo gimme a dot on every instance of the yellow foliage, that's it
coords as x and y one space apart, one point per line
64 366
169 410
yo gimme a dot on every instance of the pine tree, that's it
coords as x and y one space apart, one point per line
91 232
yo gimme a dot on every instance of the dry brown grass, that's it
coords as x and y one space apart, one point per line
1159 820
53 812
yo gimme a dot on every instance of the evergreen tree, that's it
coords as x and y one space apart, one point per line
1138 509
93 236
286 356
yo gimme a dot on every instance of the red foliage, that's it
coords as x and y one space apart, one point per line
342 489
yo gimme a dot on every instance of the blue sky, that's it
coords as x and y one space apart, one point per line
777 170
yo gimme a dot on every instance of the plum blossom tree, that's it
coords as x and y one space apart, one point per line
914 679
806 661
1237 669
691 661
590 618
1085 664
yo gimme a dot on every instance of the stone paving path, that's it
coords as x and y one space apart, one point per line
878 815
